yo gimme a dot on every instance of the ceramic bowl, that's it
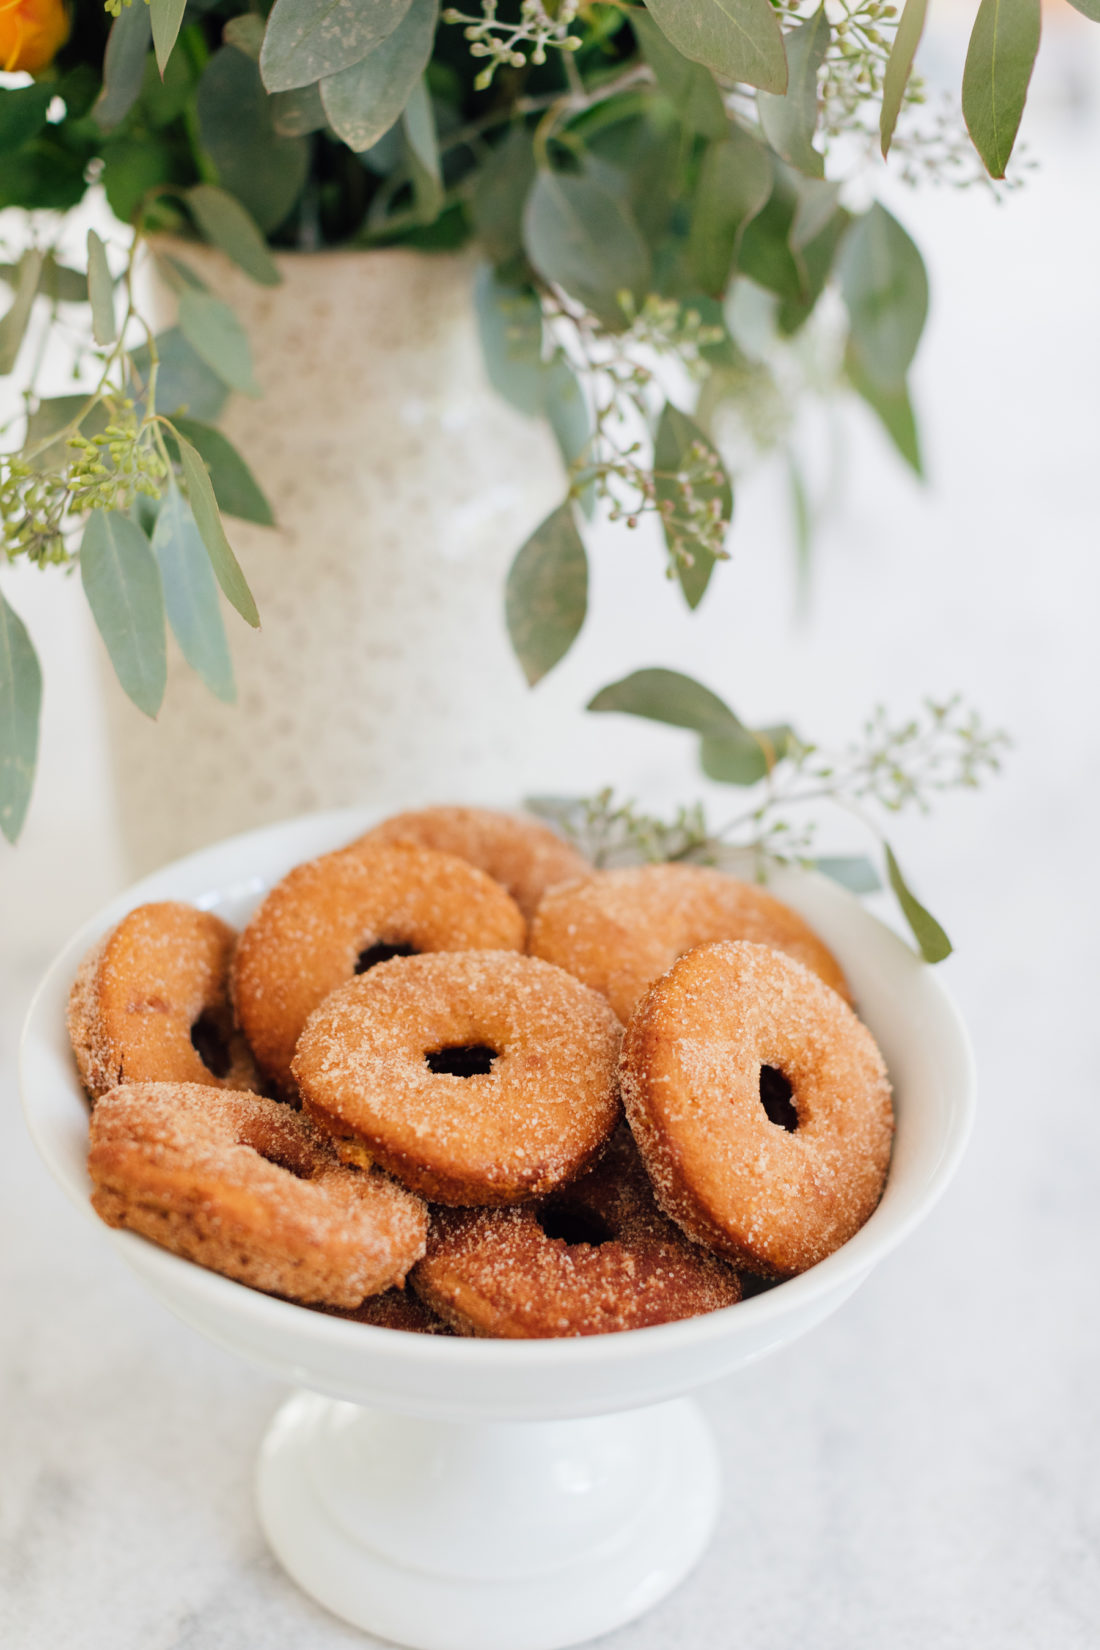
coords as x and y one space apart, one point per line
457 1494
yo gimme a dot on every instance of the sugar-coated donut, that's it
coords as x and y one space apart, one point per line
596 1258
344 913
150 1003
248 1187
476 1077
394 1309
761 1107
523 854
619 930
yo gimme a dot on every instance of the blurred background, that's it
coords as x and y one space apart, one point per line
921 1469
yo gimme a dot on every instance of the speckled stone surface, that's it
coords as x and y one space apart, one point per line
402 486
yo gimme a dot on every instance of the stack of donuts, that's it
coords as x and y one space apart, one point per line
452 1079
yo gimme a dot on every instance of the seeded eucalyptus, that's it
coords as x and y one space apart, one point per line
627 172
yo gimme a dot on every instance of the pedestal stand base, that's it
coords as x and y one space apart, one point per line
509 1536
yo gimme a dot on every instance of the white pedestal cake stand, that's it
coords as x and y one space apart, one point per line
455 1494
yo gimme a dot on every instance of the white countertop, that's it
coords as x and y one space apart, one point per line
920 1471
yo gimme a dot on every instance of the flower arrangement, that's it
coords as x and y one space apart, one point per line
625 172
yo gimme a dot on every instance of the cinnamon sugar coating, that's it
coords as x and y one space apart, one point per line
394 1309
249 1188
150 995
773 1198
313 928
620 930
533 1116
504 1272
523 854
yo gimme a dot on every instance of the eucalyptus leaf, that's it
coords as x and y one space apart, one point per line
296 113
510 327
204 507
22 113
53 415
165 17
745 757
893 408
191 595
853 871
246 33
235 487
930 937
899 66
177 274
61 284
184 381
20 710
422 145
236 121
581 236
1087 8
101 292
226 224
363 101
885 287
122 583
996 76
677 434
803 530
739 39
735 181
14 324
308 39
790 121
690 87
500 188
546 595
661 695
817 203
218 338
567 411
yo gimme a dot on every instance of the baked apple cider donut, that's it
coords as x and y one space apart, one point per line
524 855
593 1259
760 1105
478 1077
341 915
247 1187
151 1004
619 930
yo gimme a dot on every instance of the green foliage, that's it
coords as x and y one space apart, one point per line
885 288
204 507
789 121
999 61
166 16
191 594
235 487
364 100
891 766
101 292
225 223
582 236
899 67
307 39
122 583
546 595
20 706
694 499
738 39
13 325
266 172
735 183
218 338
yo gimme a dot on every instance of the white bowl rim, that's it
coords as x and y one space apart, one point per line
831 1278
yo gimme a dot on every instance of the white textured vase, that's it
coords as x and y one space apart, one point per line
402 486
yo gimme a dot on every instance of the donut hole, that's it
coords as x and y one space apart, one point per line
281 1150
463 1060
574 1224
380 953
776 1097
210 1041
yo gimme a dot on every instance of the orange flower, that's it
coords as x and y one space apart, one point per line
31 33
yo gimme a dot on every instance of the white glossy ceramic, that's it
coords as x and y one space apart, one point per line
406 1497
